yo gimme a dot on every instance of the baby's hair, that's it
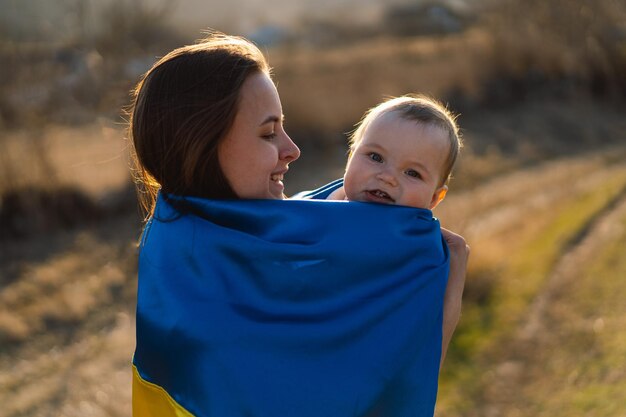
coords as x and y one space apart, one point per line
422 109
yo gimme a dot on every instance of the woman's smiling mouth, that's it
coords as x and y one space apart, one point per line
277 177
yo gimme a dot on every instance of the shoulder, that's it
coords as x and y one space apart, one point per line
321 193
337 194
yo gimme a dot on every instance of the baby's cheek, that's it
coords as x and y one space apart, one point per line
348 185
349 192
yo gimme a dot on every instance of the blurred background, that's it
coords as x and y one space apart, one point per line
540 191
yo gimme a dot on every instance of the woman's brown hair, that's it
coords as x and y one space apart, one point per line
182 109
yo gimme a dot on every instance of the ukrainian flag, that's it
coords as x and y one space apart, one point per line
288 308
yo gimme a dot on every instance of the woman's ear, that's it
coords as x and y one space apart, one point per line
438 196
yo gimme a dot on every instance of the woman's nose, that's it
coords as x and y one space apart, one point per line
289 151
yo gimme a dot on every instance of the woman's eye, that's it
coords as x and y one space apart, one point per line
413 173
375 157
269 136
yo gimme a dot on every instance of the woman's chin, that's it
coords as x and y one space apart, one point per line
276 189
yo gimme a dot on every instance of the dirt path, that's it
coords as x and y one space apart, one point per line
67 324
547 351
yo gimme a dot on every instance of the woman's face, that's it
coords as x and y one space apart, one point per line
256 153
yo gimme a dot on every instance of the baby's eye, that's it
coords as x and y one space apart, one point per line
413 173
375 157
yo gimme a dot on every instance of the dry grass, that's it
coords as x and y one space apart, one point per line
93 158
561 49
342 82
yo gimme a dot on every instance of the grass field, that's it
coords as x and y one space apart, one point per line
526 345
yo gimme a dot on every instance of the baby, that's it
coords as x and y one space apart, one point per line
402 152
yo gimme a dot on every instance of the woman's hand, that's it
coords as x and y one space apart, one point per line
459 254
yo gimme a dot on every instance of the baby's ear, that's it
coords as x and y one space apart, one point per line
438 196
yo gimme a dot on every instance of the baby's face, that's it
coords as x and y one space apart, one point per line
398 161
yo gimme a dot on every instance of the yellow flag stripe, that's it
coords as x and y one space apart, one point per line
150 400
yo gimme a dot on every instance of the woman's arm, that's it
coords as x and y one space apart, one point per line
459 253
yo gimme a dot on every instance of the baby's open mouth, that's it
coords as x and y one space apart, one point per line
276 177
380 195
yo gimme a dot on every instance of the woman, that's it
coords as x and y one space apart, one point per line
207 127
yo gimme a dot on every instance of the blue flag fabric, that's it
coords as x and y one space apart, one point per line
291 308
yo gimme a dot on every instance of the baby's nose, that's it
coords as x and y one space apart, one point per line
388 178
